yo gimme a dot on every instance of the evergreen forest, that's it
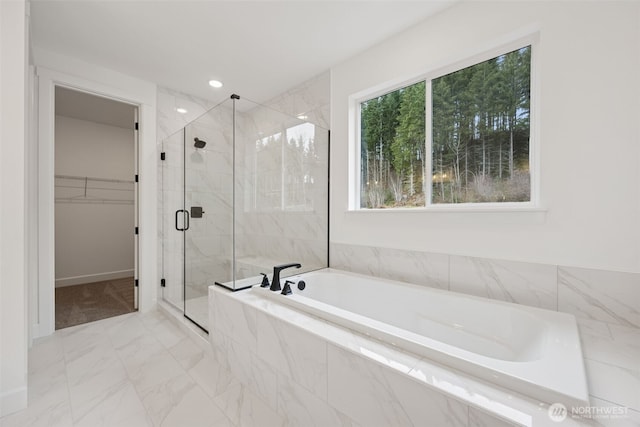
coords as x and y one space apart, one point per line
479 138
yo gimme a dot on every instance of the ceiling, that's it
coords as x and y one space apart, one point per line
258 49
84 106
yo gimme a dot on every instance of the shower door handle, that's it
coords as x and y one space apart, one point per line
186 220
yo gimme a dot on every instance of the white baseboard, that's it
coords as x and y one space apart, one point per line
13 401
89 278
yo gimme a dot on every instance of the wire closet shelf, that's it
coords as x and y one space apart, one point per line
92 190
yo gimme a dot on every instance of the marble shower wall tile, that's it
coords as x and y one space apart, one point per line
511 281
269 231
612 297
380 397
311 99
168 119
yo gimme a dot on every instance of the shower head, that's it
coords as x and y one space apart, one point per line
199 143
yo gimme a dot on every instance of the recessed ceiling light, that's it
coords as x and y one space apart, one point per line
302 117
215 83
181 110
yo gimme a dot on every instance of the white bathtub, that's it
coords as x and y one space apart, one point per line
532 351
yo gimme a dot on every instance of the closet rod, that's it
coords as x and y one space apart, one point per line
83 178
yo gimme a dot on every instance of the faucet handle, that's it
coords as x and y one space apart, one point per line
265 281
286 290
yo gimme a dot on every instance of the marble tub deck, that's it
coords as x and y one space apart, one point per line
381 385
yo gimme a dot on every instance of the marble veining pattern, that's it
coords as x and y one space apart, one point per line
284 234
130 371
419 268
302 408
611 297
357 388
521 283
358 259
366 377
478 418
607 296
297 354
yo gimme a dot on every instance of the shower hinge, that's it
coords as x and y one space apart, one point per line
163 283
136 178
163 156
136 231
136 283
136 125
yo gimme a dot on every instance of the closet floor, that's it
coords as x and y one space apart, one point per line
93 301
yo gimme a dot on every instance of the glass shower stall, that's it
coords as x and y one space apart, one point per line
242 188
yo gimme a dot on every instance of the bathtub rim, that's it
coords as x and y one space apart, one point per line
543 393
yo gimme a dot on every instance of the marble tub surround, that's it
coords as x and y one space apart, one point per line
511 281
606 305
277 349
612 297
608 296
612 361
479 336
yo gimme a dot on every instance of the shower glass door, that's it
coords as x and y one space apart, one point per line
208 202
244 188
172 219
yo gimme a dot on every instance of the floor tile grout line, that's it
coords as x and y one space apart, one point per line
66 377
130 378
211 399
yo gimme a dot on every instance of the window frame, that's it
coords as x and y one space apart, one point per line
466 60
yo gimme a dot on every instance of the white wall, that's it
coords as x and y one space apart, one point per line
94 241
588 92
13 302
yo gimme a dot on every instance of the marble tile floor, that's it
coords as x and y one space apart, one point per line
130 371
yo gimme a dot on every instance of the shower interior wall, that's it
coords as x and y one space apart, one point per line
281 192
265 233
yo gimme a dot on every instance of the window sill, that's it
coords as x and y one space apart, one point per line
456 210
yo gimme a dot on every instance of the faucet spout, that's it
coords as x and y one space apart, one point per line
275 282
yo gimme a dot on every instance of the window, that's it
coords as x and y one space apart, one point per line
474 147
285 167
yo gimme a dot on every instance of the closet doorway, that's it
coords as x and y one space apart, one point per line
96 209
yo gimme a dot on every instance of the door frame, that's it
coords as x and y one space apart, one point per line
120 88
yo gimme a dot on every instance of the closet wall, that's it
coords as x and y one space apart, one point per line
93 230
